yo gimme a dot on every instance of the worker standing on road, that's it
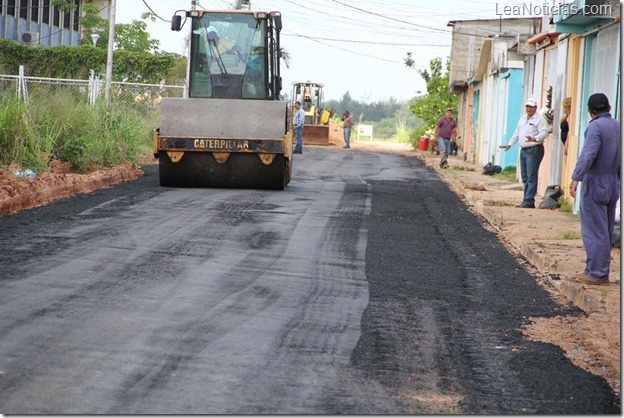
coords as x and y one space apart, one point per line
446 130
347 124
598 167
530 134
299 121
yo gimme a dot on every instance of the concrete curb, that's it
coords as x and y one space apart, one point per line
539 258
578 294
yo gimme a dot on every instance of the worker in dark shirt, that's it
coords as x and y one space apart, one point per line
446 130
598 167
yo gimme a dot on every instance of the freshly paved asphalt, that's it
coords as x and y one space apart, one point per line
366 287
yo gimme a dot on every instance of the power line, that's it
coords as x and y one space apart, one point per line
154 13
367 42
350 51
389 18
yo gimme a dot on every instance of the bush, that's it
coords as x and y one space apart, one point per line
414 137
63 127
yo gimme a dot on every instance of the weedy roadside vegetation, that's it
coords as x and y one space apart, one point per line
570 235
565 205
508 174
64 127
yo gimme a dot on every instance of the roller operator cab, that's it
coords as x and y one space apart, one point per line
231 129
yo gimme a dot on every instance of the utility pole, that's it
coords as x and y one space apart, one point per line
240 3
111 46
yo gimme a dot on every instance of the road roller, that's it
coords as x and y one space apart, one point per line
231 129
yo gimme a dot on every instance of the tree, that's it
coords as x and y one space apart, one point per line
177 74
285 57
135 37
93 23
430 107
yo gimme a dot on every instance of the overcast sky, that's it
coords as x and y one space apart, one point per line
357 46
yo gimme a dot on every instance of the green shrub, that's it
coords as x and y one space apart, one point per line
565 205
64 127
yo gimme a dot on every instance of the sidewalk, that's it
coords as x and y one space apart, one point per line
550 241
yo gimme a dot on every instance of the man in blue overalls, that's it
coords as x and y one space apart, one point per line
598 167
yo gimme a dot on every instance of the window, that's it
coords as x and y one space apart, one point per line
227 57
76 15
11 7
57 17
23 9
34 13
46 12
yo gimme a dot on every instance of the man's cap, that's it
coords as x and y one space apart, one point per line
598 102
212 33
531 102
449 110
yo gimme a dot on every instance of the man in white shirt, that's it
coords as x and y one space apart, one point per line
530 134
298 124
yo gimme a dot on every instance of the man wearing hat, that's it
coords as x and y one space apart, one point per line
598 167
530 134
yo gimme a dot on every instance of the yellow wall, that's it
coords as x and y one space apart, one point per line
573 84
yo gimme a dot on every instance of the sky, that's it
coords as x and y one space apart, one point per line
354 46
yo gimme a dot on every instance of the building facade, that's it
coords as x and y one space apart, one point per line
39 22
568 55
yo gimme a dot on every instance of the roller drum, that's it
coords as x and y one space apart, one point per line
240 171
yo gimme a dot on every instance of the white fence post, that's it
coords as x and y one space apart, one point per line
94 88
22 88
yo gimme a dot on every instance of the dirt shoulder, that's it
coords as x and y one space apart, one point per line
57 183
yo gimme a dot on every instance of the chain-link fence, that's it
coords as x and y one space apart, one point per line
145 98
42 119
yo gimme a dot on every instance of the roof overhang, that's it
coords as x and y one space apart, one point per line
581 16
457 87
542 36
543 39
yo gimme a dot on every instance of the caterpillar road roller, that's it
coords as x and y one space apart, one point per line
230 129
316 125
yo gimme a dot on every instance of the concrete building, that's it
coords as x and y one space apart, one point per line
39 22
589 57
485 68
572 52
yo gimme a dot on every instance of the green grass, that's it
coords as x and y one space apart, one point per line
508 174
565 205
64 127
570 235
461 168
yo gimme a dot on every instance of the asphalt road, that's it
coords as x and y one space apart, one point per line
366 287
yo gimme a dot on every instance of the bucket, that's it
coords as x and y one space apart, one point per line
423 144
